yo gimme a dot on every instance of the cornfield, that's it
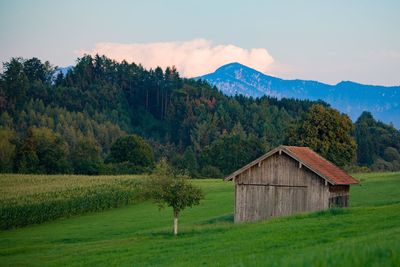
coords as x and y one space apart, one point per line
32 199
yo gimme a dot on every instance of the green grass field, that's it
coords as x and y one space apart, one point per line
366 234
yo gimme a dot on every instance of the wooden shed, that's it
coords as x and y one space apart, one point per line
288 180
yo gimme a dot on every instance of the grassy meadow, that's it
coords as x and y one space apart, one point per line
139 234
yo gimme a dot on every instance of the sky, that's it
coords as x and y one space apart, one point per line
328 41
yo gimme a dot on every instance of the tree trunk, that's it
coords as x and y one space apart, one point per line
175 223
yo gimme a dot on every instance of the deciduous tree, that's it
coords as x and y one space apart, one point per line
327 132
132 149
7 150
43 151
85 157
174 191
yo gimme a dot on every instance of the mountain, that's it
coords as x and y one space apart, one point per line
63 70
348 97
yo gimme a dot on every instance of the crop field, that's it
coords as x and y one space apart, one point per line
139 234
30 199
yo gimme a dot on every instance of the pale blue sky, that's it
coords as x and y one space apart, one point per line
327 41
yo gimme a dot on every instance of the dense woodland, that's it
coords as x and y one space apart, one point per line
105 117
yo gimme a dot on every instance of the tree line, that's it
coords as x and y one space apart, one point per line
104 116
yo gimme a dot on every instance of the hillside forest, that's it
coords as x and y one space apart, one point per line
108 117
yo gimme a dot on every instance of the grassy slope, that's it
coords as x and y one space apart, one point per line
367 234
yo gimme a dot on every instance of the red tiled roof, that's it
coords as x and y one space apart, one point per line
320 165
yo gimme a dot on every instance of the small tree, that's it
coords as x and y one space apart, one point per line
177 192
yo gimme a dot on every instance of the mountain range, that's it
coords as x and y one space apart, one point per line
348 97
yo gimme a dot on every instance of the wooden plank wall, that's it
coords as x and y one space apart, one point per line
276 187
339 195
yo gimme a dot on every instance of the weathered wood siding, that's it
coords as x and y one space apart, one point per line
339 195
278 186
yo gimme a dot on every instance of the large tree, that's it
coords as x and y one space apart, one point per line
132 149
15 83
378 144
7 150
232 151
327 132
43 151
85 157
366 152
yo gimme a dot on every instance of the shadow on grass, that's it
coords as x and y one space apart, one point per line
329 212
72 240
202 229
227 218
225 222
322 213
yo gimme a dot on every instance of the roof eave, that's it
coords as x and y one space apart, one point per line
251 164
350 183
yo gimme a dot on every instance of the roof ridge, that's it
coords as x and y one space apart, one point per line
332 165
311 159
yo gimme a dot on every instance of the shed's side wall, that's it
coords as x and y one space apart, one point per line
339 195
276 187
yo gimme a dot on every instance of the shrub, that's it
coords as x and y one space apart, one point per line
382 165
357 169
211 172
122 168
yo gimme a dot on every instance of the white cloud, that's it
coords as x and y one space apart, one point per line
191 58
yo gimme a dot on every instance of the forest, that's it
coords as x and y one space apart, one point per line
108 117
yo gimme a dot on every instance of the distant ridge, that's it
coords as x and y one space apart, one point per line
347 96
64 70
